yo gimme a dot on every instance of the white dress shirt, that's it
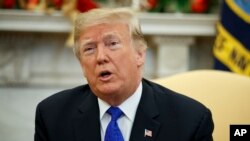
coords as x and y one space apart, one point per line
128 107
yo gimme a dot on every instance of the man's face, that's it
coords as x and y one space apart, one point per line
109 60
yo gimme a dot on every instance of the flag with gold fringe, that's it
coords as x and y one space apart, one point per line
232 44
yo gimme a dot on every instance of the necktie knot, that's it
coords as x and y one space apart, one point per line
115 113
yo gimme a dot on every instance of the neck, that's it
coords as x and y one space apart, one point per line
118 99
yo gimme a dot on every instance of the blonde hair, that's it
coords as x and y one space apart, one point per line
104 15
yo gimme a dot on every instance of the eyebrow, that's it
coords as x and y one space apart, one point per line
86 42
110 35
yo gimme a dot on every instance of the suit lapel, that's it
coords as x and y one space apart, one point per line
87 123
145 117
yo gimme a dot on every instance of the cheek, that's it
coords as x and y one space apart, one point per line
127 64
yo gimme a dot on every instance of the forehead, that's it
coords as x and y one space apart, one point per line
105 29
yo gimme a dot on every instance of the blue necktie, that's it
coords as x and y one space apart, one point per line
113 132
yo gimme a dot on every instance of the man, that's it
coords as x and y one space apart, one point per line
117 104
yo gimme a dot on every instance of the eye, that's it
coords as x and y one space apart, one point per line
89 49
113 44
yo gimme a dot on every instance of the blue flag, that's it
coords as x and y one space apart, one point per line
232 44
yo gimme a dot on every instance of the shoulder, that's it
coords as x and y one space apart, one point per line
165 97
188 117
69 97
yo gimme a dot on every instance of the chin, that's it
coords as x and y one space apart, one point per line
108 89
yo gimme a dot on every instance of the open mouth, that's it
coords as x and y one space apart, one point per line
105 74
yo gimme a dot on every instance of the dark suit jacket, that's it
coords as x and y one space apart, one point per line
73 115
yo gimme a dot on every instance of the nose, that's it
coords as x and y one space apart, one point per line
102 56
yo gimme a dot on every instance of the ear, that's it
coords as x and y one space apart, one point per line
82 67
84 74
140 57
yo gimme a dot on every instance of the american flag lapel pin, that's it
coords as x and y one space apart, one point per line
148 133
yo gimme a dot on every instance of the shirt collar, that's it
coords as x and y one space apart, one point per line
128 107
